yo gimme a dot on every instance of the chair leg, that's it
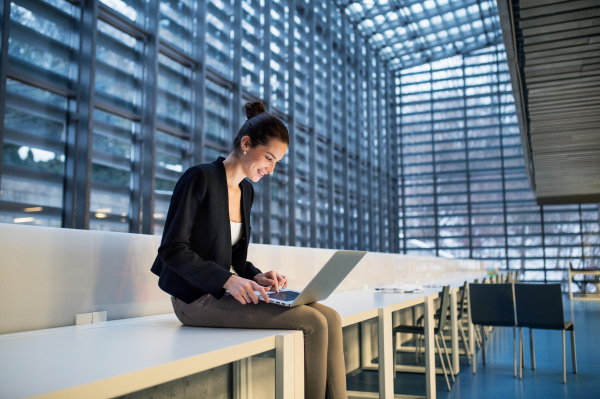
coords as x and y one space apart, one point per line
478 337
573 352
395 356
522 349
564 360
532 348
466 345
437 344
417 348
474 353
447 356
520 354
483 348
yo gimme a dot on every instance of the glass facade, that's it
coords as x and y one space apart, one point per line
402 123
464 188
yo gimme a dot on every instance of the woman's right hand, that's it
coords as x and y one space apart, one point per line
243 289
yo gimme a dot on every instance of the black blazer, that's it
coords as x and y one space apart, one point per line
195 252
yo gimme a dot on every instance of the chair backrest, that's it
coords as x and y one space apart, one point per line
444 307
492 304
540 306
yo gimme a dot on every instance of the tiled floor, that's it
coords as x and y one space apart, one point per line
495 380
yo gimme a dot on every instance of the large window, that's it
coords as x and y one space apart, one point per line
465 192
40 50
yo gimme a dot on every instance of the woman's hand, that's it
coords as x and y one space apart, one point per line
271 279
243 290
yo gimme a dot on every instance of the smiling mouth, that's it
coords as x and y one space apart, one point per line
260 173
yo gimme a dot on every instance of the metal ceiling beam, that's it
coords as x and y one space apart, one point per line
507 24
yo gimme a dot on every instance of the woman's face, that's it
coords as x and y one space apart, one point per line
261 160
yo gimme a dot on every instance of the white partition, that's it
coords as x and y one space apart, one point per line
48 275
301 264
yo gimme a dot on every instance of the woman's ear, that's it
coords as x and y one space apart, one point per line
245 143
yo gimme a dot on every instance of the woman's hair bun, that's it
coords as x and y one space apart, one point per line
254 108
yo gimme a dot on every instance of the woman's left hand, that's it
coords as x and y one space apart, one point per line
272 279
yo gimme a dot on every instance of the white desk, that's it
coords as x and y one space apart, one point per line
110 359
357 306
583 272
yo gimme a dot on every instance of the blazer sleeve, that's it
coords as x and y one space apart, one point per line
175 249
251 271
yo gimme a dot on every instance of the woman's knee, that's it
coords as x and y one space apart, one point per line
313 321
334 321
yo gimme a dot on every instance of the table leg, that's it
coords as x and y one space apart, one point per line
429 347
471 330
365 344
386 366
289 366
569 282
242 379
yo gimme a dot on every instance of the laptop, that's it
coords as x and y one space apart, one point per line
322 285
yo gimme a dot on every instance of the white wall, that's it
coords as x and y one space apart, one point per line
48 275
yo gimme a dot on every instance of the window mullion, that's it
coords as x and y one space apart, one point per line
144 166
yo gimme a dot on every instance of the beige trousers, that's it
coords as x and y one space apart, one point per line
324 369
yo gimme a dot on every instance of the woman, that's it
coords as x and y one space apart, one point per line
205 241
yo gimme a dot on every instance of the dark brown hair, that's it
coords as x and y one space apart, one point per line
261 127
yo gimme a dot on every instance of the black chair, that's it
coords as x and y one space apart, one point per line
493 305
540 306
420 330
461 314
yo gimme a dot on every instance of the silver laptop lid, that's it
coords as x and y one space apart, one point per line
329 277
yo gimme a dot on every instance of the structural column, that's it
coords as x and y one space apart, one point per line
143 191
360 221
79 144
292 129
368 162
266 187
199 87
345 141
4 35
330 153
237 113
313 129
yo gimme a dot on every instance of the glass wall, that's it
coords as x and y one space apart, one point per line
103 117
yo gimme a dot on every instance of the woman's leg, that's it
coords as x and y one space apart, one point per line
313 320
336 368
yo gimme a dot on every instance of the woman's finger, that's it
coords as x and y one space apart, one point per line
251 295
240 299
263 293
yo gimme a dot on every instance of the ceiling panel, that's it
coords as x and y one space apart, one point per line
557 74
409 33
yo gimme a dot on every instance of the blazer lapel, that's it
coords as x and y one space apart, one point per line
224 194
246 211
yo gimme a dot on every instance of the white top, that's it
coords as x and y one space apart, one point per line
236 232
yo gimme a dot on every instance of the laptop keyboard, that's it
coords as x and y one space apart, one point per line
284 295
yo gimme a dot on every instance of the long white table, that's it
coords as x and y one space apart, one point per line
105 360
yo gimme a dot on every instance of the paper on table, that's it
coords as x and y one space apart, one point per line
400 289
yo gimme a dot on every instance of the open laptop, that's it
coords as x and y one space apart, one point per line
322 285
